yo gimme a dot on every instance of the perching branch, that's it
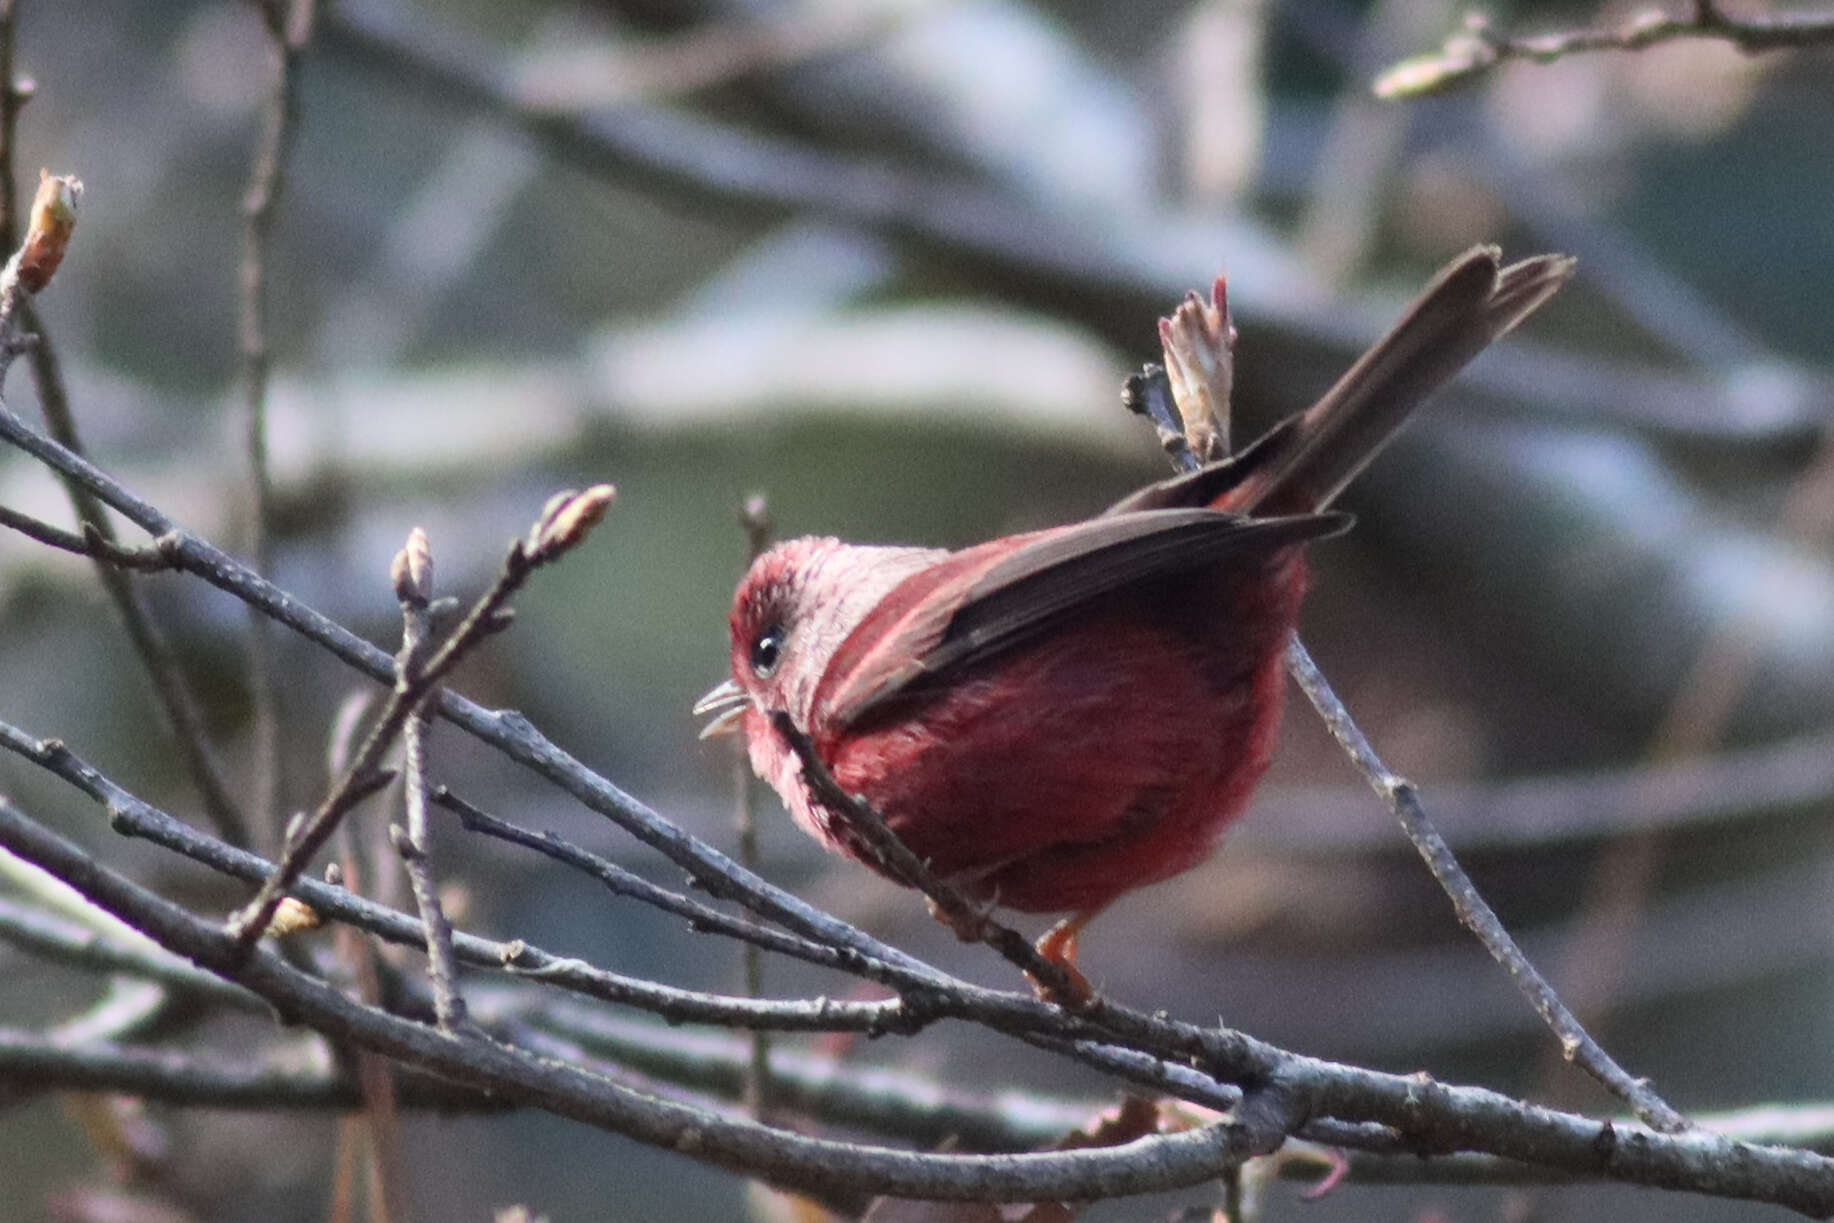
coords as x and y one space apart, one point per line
1479 48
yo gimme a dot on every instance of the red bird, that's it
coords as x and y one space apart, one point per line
1058 717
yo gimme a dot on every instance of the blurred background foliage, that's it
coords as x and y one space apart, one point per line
887 261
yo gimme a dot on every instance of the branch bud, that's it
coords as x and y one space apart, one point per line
293 915
565 519
52 220
412 571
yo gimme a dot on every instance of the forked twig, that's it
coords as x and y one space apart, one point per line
563 523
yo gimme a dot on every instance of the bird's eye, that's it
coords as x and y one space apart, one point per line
767 651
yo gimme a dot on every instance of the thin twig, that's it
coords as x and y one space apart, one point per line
1479 48
563 523
754 520
171 691
289 26
200 1079
413 579
90 543
65 941
1473 912
970 921
700 917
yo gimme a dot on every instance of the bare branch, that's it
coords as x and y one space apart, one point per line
289 28
1479 48
91 543
754 520
413 579
1149 1164
1429 1117
173 694
700 917
1473 912
175 1077
563 523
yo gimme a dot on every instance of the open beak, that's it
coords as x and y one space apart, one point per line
727 703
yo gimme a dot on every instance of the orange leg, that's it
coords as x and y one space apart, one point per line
1058 945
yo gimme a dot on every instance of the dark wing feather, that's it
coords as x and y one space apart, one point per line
1043 584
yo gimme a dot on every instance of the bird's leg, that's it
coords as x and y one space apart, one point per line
1058 945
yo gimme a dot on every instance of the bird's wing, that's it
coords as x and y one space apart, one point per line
984 601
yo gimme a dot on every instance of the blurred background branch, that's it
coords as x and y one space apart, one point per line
1480 47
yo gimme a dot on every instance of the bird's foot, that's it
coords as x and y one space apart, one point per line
1058 945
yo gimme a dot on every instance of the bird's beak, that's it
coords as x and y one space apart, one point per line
727 702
